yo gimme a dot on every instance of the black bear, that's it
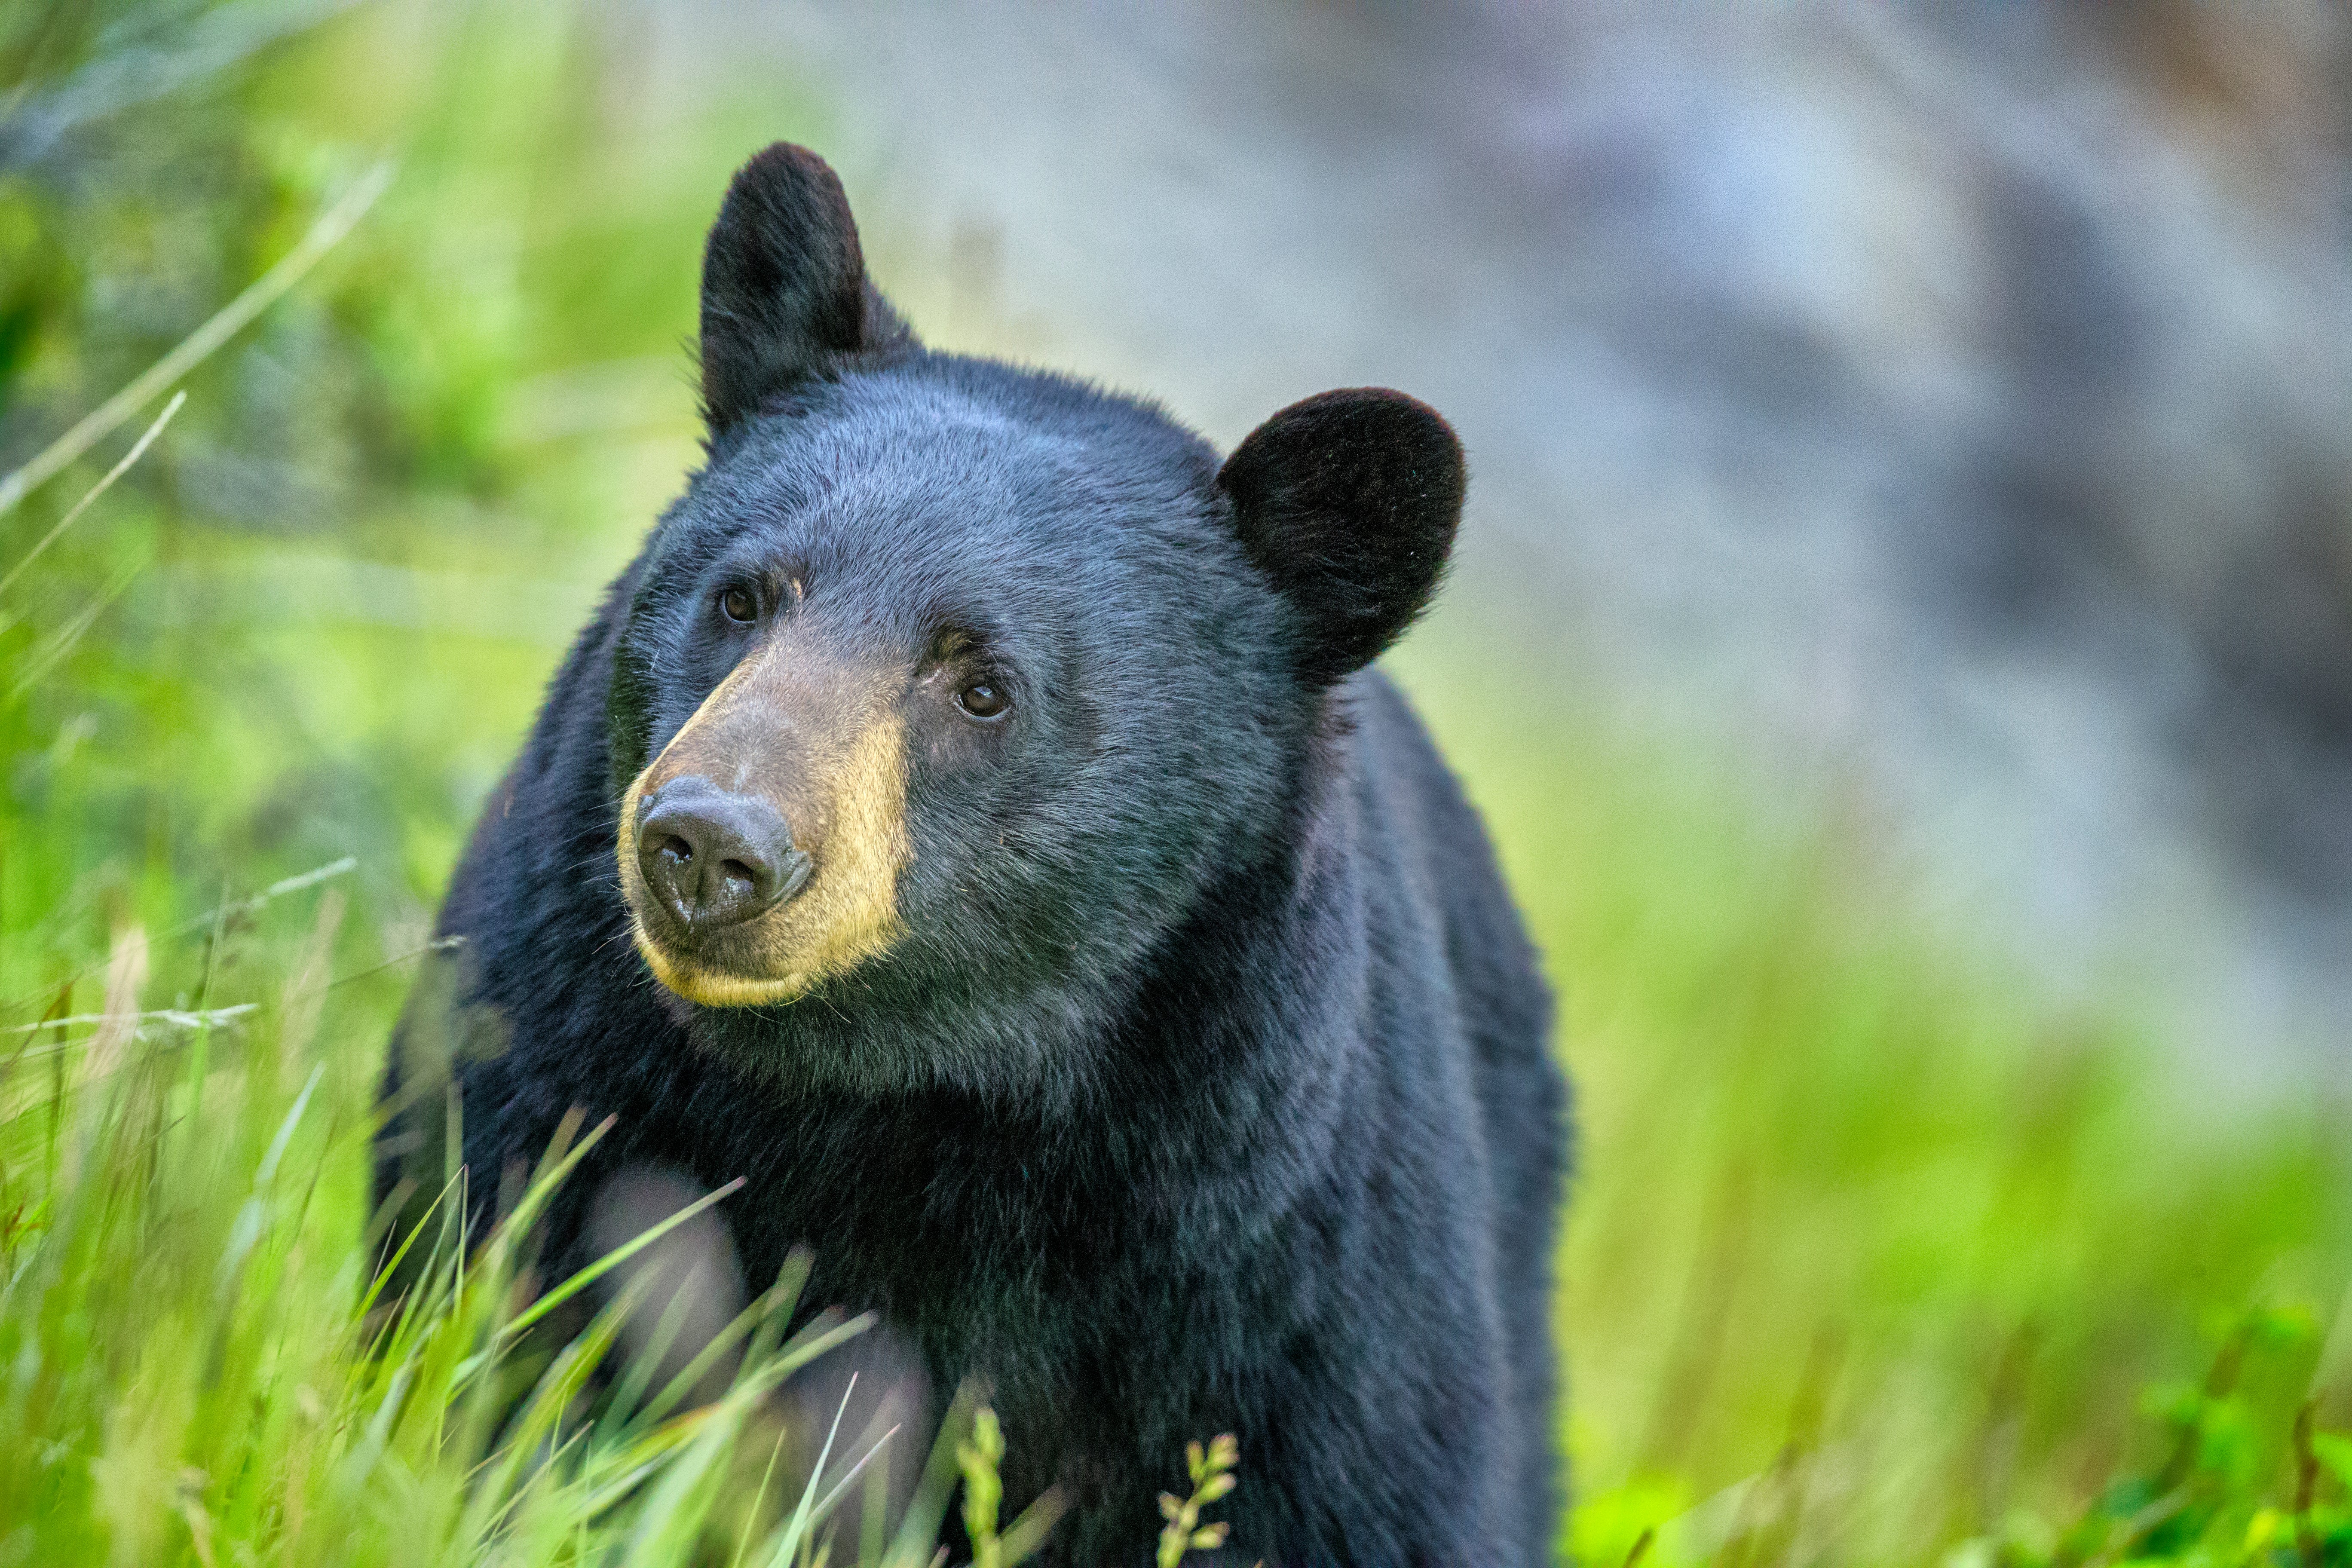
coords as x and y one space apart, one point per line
971 821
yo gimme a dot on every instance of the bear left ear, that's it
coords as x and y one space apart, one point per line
784 291
1349 501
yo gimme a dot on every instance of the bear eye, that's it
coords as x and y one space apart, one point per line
983 699
738 605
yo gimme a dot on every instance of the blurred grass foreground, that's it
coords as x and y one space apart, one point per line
1876 1255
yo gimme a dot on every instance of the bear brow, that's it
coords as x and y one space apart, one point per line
952 637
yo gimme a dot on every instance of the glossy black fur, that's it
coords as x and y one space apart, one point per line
1207 1089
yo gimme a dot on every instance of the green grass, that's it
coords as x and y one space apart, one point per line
206 1361
1875 1254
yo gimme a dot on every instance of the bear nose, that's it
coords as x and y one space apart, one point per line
715 858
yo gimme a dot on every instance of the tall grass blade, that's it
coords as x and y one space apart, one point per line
789 1538
137 449
63 640
197 346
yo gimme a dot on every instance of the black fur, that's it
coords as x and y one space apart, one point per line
1207 1089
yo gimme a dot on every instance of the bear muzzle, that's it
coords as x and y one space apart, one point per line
759 851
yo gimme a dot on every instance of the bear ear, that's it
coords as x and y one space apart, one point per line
1349 501
784 291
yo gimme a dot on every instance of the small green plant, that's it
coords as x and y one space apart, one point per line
983 1488
977 1457
1213 1477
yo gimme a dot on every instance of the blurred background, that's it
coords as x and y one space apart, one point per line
1902 635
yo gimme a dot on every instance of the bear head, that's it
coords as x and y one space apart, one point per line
950 688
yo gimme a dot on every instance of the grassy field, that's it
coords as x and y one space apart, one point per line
1874 1255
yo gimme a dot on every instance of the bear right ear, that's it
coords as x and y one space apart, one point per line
784 291
1347 502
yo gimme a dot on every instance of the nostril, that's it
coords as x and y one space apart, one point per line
739 877
678 848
